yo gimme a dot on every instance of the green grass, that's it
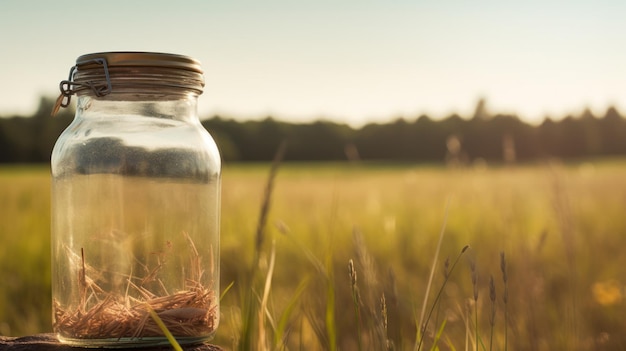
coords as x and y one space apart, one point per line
562 228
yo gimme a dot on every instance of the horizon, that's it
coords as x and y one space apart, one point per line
347 62
482 104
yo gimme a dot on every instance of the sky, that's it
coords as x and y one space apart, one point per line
350 61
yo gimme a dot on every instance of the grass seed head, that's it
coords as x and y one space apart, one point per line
352 273
492 289
383 311
492 297
474 279
503 266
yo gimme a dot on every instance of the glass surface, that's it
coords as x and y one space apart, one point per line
135 224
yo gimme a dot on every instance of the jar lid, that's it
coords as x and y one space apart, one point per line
102 73
142 59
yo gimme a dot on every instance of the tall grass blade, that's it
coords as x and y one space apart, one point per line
449 343
226 290
438 335
252 310
492 317
356 301
505 298
281 326
263 313
164 329
439 293
331 330
420 326
265 204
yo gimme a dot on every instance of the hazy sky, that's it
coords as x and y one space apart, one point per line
353 61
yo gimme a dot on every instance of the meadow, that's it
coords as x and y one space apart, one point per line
376 256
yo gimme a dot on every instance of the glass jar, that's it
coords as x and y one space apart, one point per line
135 205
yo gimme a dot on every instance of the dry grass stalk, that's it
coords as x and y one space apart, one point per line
448 270
265 205
385 322
422 325
564 213
505 297
475 286
366 263
492 298
191 312
371 318
188 313
356 300
492 316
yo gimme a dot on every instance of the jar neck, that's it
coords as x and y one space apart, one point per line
181 107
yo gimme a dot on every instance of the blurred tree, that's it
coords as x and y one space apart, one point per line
318 141
30 139
46 129
392 141
494 138
549 139
428 140
264 138
18 139
592 138
480 112
612 127
222 130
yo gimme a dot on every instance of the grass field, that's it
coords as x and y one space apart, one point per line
561 229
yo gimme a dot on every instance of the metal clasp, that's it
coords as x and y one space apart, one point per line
69 87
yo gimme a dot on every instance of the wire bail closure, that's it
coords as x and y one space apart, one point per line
69 87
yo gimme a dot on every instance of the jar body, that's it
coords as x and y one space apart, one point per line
135 224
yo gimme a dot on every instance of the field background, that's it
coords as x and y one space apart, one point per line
561 227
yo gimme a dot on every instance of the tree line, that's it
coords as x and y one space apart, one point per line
454 139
